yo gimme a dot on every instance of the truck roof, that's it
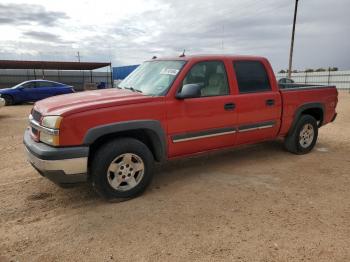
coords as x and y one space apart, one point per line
211 57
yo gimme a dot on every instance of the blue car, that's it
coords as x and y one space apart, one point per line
33 90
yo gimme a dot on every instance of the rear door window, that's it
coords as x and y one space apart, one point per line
251 76
45 84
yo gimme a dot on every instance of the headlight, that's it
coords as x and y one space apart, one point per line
49 139
50 136
51 121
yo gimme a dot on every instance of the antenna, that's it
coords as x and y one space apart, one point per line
183 53
223 36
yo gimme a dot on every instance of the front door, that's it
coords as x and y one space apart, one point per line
29 92
206 122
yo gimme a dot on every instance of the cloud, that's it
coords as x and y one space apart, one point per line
128 33
43 36
26 14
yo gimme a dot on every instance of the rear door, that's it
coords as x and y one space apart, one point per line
46 89
258 101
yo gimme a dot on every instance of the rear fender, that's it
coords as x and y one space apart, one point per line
304 108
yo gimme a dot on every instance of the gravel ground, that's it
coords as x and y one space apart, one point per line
256 203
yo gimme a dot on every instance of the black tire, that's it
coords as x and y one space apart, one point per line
105 156
8 100
292 143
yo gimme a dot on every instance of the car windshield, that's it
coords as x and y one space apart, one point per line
153 77
19 85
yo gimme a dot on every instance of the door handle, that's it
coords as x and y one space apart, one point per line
270 102
229 106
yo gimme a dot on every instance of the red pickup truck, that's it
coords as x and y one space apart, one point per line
168 108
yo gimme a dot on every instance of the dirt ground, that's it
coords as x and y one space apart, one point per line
257 203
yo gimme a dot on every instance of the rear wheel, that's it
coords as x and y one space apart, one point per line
122 168
304 136
8 100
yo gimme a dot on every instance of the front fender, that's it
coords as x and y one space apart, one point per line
152 127
14 94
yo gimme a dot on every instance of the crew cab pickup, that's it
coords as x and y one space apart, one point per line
169 108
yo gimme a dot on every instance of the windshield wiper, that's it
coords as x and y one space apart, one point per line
133 89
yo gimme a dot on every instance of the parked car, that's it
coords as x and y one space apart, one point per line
286 80
167 109
2 102
34 90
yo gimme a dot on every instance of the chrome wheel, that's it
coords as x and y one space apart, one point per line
125 172
306 135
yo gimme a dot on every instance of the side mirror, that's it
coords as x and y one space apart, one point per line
190 91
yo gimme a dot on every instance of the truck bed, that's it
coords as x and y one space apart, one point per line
296 95
298 86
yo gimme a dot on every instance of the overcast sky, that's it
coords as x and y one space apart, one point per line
128 32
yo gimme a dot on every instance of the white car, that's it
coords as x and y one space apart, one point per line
2 102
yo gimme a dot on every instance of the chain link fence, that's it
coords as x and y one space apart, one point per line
11 77
340 79
77 79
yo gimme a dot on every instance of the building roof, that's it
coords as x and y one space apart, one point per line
51 65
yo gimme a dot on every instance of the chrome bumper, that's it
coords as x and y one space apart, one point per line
68 166
2 102
64 165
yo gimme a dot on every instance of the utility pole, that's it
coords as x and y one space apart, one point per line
292 40
83 81
78 56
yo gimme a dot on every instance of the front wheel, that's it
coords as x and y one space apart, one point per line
122 168
304 136
8 100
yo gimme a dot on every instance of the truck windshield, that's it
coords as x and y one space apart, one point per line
153 77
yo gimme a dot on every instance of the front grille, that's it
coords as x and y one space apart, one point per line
35 132
36 116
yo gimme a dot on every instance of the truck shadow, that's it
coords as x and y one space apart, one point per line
186 168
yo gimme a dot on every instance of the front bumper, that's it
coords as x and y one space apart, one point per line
2 102
65 165
334 117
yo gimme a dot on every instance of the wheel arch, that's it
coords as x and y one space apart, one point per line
10 96
314 109
150 132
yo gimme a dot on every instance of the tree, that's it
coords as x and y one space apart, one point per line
282 71
333 69
309 70
320 70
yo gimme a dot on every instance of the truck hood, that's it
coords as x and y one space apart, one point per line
84 101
